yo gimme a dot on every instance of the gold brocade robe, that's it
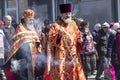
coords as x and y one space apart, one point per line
22 37
63 66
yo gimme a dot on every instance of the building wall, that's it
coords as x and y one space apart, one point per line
1 9
91 10
22 5
57 10
96 11
42 8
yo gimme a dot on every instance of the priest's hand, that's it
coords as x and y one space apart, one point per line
60 32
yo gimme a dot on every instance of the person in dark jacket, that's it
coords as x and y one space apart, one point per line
8 29
102 41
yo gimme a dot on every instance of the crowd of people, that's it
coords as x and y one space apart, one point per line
100 47
62 50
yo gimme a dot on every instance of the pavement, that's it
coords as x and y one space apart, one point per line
92 77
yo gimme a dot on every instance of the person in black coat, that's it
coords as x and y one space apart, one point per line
102 41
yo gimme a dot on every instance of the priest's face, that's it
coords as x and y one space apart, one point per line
66 17
29 23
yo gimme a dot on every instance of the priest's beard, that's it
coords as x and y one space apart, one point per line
66 20
29 25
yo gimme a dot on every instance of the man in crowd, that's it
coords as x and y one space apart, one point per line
20 63
8 29
102 42
62 38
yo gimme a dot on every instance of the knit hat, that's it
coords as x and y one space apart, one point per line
116 26
28 13
64 8
105 25
111 24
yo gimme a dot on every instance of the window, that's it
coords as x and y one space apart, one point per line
75 4
11 8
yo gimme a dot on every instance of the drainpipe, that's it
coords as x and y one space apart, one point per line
118 6
53 10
